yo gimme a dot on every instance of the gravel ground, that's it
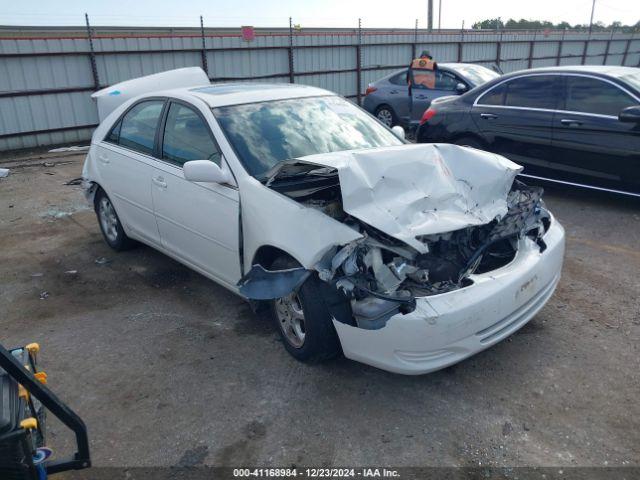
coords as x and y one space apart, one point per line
167 368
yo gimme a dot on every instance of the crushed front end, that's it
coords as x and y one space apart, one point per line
444 266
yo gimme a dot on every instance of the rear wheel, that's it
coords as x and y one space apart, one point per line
386 115
109 222
303 320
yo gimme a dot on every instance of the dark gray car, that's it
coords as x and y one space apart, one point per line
389 100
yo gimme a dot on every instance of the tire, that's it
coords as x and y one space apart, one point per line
386 115
319 338
470 142
109 222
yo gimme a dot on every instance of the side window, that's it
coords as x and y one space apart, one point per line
536 91
138 129
114 134
423 79
399 79
446 81
495 96
187 137
589 95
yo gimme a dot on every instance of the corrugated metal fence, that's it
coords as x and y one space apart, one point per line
46 81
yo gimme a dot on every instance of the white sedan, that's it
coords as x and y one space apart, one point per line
406 257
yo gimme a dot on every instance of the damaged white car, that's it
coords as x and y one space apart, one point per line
406 257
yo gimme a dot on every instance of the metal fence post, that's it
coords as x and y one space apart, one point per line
626 49
292 78
460 43
559 56
606 50
586 46
499 49
359 62
414 47
92 55
204 48
531 46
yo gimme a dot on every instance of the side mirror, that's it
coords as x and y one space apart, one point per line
205 171
630 114
461 87
398 131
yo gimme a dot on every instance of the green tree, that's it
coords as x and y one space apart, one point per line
524 24
491 24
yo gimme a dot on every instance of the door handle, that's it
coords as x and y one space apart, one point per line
422 97
570 122
159 181
488 116
103 159
393 92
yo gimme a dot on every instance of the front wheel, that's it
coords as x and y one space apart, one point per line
303 320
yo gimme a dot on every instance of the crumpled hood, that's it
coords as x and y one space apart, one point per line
423 189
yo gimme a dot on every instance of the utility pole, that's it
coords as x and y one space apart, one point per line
439 14
593 7
430 15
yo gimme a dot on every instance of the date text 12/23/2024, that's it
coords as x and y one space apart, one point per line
315 472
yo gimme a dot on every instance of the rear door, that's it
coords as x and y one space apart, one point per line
516 118
588 138
396 94
126 165
198 222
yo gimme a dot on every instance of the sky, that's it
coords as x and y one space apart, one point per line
308 13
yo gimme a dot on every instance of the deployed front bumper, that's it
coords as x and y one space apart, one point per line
446 328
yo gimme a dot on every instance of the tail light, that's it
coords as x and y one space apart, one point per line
427 115
369 90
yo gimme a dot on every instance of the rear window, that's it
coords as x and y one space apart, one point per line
495 96
137 129
536 91
399 78
531 92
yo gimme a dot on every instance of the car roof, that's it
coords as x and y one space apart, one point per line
453 66
611 70
223 94
450 66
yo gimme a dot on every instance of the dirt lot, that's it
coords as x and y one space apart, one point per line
167 368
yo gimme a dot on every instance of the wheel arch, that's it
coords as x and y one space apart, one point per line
265 255
383 105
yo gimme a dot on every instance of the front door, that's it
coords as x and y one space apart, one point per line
198 222
126 165
443 83
591 144
516 118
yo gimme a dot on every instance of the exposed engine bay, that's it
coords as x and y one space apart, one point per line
382 275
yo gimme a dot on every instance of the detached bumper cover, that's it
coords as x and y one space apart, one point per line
446 328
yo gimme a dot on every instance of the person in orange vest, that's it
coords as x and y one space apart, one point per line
421 71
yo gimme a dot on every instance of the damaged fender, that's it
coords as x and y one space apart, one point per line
261 284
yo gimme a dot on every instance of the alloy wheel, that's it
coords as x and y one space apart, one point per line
385 116
291 319
108 219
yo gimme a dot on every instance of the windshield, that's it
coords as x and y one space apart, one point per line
476 74
263 134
